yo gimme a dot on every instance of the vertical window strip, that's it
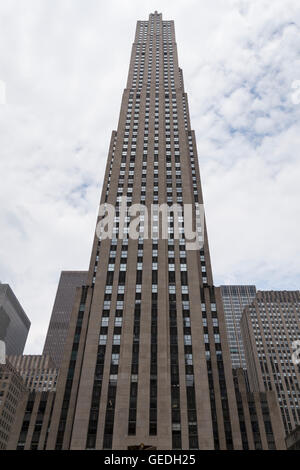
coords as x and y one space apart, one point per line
153 357
209 375
175 385
39 422
135 351
114 365
26 421
98 375
189 374
111 397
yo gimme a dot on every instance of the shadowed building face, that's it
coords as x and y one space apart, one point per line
61 313
14 323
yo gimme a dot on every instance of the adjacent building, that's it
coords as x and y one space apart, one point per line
269 327
60 317
12 391
259 416
34 407
33 419
38 371
235 299
14 323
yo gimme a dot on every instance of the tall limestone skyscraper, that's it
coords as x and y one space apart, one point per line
147 359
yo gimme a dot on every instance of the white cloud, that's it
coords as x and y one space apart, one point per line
65 66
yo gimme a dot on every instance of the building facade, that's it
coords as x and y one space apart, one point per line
61 313
269 326
38 371
235 299
259 416
33 418
33 413
12 391
14 323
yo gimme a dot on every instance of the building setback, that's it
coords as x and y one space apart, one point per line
60 317
14 323
269 326
235 299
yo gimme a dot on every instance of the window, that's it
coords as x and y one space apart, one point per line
187 340
116 339
103 339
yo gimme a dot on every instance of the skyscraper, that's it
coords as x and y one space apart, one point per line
269 327
61 312
14 323
146 359
235 299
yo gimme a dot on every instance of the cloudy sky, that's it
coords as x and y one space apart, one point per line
64 64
